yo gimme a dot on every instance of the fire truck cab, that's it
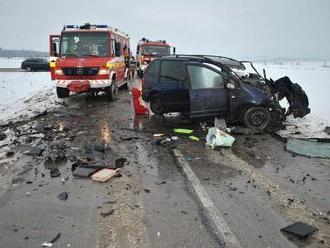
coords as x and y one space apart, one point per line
89 58
147 50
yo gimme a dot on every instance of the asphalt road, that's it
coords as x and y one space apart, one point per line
183 194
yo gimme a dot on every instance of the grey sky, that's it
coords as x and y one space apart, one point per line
236 28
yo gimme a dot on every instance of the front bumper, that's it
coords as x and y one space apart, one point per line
94 84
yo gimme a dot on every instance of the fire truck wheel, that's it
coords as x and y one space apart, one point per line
62 92
111 92
156 105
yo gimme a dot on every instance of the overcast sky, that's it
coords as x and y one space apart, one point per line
236 28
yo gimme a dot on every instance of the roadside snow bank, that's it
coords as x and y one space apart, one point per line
25 94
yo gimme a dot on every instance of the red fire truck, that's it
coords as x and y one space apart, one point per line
89 58
148 50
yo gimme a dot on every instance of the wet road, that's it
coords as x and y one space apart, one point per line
256 187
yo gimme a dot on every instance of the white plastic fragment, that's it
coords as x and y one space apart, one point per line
217 137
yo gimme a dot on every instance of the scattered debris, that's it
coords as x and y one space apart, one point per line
55 152
195 138
34 151
84 171
54 172
63 196
300 229
183 131
158 135
104 175
309 148
217 137
50 243
10 154
105 214
220 123
327 130
147 190
129 138
120 162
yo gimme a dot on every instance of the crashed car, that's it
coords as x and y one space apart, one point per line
203 86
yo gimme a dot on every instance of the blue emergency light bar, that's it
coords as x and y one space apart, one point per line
86 26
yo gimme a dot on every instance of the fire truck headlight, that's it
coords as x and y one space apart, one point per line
103 72
58 72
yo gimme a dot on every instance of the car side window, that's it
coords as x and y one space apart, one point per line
153 68
171 71
202 77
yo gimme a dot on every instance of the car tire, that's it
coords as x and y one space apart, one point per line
156 105
62 92
112 91
28 68
256 118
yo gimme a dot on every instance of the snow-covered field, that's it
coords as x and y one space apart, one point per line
10 62
314 78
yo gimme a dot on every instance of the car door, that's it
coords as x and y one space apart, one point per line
208 95
173 88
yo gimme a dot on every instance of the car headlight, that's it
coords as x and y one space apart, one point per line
103 72
58 72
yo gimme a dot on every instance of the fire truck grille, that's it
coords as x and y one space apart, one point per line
80 71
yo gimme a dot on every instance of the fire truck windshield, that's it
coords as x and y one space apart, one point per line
155 50
85 44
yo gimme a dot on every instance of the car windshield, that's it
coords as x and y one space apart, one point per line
155 50
85 44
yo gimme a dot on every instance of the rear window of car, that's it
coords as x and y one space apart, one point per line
171 71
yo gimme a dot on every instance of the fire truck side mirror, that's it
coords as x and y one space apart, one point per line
117 49
138 49
174 50
54 52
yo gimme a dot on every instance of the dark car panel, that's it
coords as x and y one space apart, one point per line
34 64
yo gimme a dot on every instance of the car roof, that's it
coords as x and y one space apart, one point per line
229 62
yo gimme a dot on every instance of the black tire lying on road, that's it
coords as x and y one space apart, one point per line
256 118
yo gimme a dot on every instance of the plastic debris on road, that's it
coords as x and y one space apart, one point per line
217 137
104 175
192 137
300 229
309 148
183 131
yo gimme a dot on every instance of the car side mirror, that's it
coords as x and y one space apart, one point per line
230 86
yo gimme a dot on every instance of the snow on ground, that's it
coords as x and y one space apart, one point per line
25 94
314 78
10 62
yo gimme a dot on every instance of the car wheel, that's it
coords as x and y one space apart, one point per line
256 118
62 92
28 68
156 105
112 91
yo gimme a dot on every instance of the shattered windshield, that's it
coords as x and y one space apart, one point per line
155 50
85 44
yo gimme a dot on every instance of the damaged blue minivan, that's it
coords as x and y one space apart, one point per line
203 86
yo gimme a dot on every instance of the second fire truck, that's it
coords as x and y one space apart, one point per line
148 50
